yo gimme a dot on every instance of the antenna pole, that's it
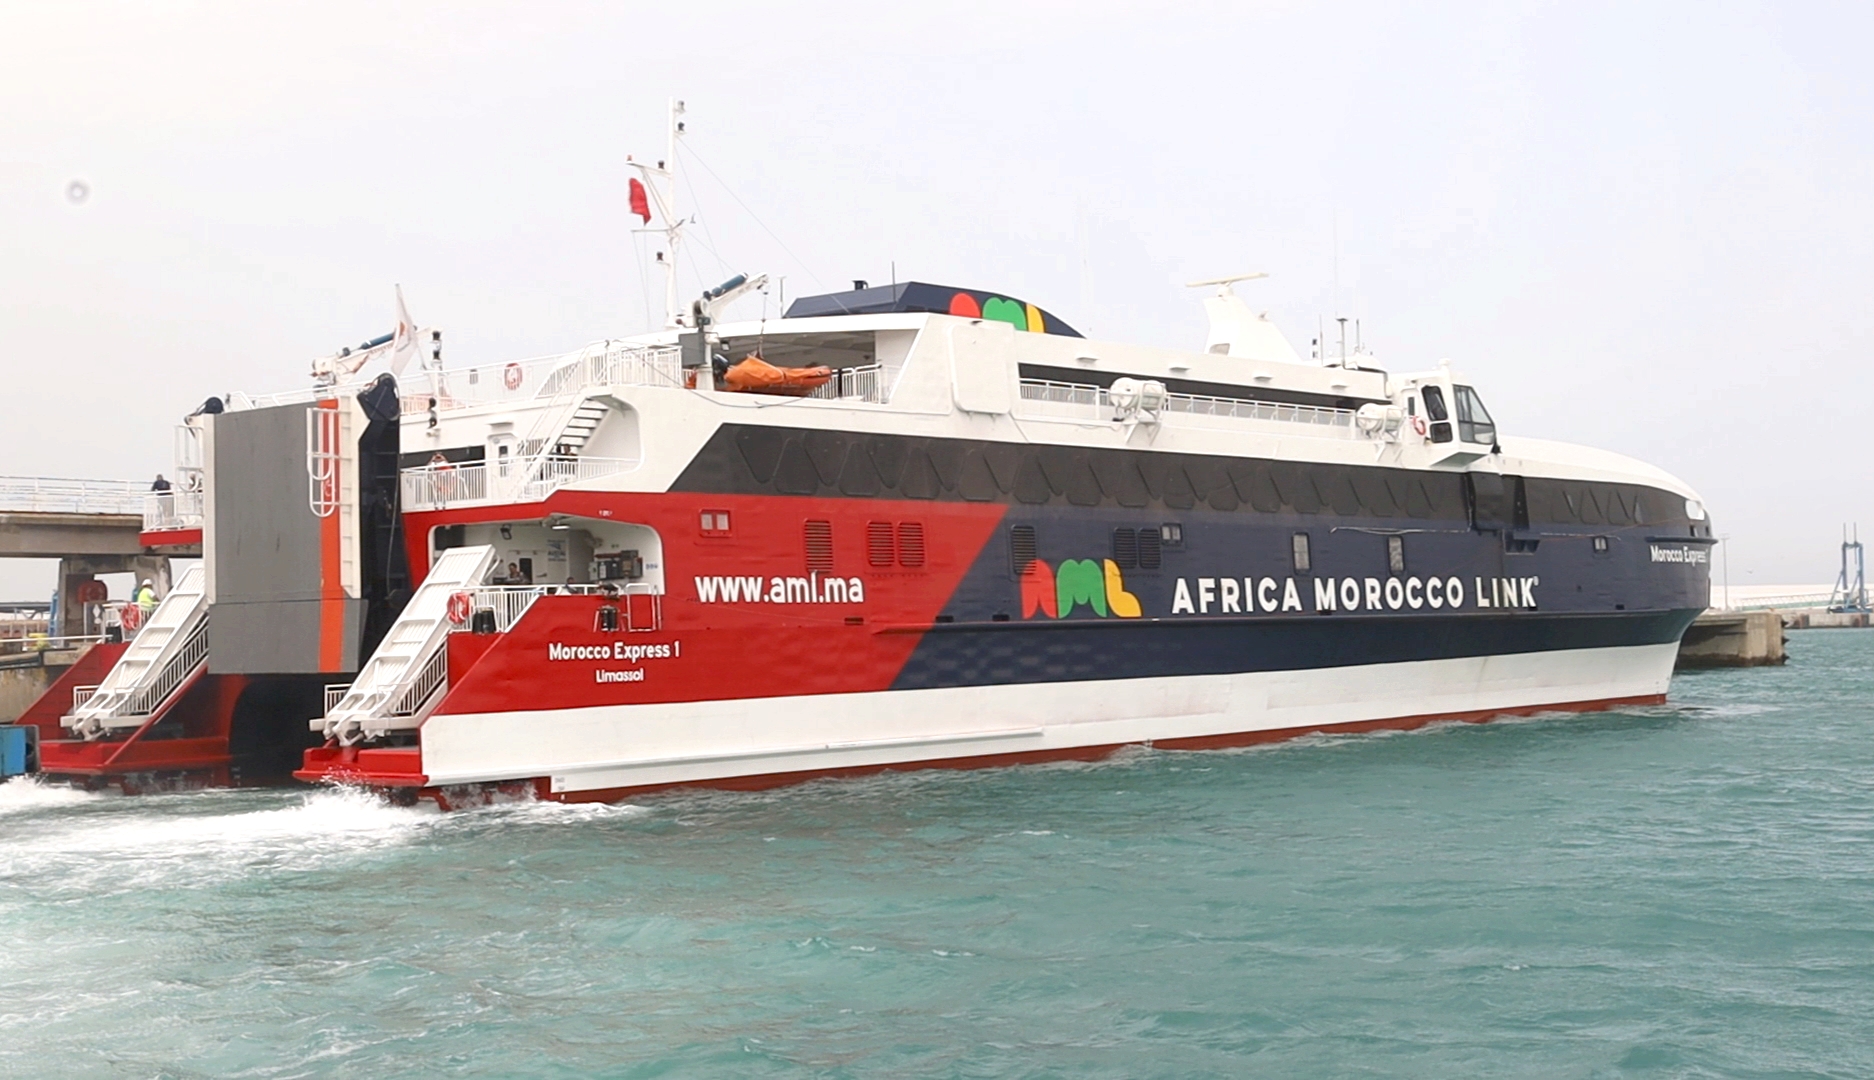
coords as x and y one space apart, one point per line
673 224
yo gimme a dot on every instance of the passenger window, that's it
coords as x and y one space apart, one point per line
1126 548
911 544
1395 554
1304 563
879 550
715 523
1474 423
1149 552
819 544
1171 534
1021 548
1440 418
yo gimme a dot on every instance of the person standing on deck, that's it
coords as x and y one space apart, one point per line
146 599
161 486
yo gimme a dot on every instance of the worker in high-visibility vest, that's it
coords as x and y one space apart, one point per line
146 599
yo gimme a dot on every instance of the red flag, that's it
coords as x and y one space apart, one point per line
640 202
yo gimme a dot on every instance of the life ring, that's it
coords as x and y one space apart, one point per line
458 608
1418 424
512 375
130 616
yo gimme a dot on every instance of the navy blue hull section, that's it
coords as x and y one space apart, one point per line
1225 596
1075 650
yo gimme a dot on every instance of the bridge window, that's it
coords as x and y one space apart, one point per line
1436 413
1474 423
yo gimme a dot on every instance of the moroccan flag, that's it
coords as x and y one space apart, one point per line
640 202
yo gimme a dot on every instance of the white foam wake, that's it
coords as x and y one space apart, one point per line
25 794
195 838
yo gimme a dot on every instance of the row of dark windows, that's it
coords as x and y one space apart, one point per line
788 461
1142 549
886 544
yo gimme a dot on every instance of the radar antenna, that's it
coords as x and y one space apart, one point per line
1224 283
1237 331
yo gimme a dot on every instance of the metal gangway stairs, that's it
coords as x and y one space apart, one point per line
410 669
168 654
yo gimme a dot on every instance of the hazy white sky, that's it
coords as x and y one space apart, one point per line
1645 227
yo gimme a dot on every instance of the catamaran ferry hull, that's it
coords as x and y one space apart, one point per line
605 753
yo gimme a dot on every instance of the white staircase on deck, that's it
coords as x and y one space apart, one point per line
579 428
165 656
411 665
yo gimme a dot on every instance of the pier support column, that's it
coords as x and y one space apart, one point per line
78 570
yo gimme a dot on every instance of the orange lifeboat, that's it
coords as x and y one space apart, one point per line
756 376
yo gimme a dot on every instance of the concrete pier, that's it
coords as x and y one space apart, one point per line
1826 620
92 527
1733 639
25 677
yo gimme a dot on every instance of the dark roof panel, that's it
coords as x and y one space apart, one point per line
938 299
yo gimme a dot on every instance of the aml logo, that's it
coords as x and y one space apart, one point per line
1056 592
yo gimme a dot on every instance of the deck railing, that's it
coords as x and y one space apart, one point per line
164 511
605 363
510 602
1781 602
437 487
1078 401
854 384
55 495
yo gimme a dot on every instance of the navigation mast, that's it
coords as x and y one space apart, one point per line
660 181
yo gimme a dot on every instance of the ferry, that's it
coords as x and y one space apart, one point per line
901 526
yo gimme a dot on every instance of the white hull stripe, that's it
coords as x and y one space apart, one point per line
650 745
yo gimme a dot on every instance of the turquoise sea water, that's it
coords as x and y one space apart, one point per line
1683 891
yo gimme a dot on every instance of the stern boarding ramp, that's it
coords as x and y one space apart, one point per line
167 655
411 665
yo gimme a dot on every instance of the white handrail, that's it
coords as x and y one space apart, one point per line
433 678
854 384
53 495
323 454
167 510
601 364
437 487
510 602
1042 399
1786 601
193 654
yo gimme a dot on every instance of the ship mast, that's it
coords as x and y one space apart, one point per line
661 181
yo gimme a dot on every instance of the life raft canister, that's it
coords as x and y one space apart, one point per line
458 608
512 375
